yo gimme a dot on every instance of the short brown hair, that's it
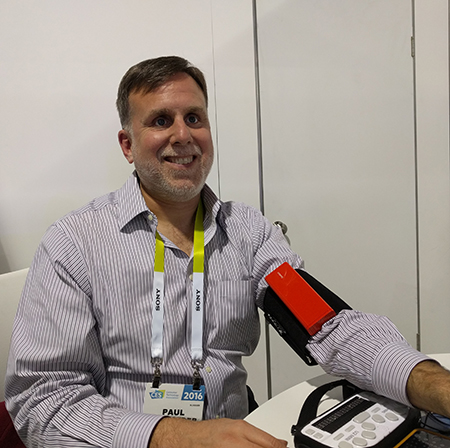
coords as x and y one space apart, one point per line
149 75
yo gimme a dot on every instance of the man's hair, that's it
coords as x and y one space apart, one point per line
149 75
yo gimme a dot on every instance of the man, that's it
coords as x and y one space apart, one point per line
158 283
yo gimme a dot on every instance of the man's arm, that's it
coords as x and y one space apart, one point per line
180 433
56 372
369 351
428 388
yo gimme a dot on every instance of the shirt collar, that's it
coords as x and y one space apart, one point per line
212 205
131 203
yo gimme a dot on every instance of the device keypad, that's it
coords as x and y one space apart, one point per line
369 435
345 444
361 417
359 441
391 416
366 425
378 418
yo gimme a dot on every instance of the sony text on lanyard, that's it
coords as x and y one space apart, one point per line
197 302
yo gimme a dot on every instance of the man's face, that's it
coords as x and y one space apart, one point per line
170 141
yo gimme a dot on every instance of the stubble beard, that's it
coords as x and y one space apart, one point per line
175 187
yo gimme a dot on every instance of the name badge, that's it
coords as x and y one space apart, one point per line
175 400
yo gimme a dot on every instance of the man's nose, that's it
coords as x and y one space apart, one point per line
181 133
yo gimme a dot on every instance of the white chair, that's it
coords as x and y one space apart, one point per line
11 285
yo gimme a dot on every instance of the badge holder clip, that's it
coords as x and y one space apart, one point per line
197 379
157 375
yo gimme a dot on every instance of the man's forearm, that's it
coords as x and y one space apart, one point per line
428 388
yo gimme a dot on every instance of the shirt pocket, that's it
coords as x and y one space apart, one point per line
235 321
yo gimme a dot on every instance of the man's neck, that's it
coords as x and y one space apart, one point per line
176 220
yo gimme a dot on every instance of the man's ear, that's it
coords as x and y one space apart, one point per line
126 143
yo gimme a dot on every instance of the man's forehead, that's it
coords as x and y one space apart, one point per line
178 82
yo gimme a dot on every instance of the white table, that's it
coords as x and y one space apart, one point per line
277 415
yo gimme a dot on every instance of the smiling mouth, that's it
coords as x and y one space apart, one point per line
180 160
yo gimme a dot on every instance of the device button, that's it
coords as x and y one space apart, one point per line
369 426
345 444
350 428
317 435
378 418
359 442
339 436
310 431
361 417
391 416
369 435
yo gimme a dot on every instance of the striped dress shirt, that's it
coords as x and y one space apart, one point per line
80 355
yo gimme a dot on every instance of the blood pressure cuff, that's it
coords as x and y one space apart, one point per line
288 326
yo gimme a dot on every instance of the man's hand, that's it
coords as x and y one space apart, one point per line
226 433
428 388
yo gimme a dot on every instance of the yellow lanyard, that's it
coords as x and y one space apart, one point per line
197 293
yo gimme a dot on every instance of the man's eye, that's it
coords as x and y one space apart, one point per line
192 119
160 121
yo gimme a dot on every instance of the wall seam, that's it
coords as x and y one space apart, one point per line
260 173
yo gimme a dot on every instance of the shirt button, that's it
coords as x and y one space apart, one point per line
150 217
191 277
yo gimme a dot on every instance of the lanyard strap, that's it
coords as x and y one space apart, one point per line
158 300
197 287
197 294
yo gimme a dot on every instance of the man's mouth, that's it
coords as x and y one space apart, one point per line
180 160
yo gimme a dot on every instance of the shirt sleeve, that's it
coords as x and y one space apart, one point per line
270 250
56 374
368 350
